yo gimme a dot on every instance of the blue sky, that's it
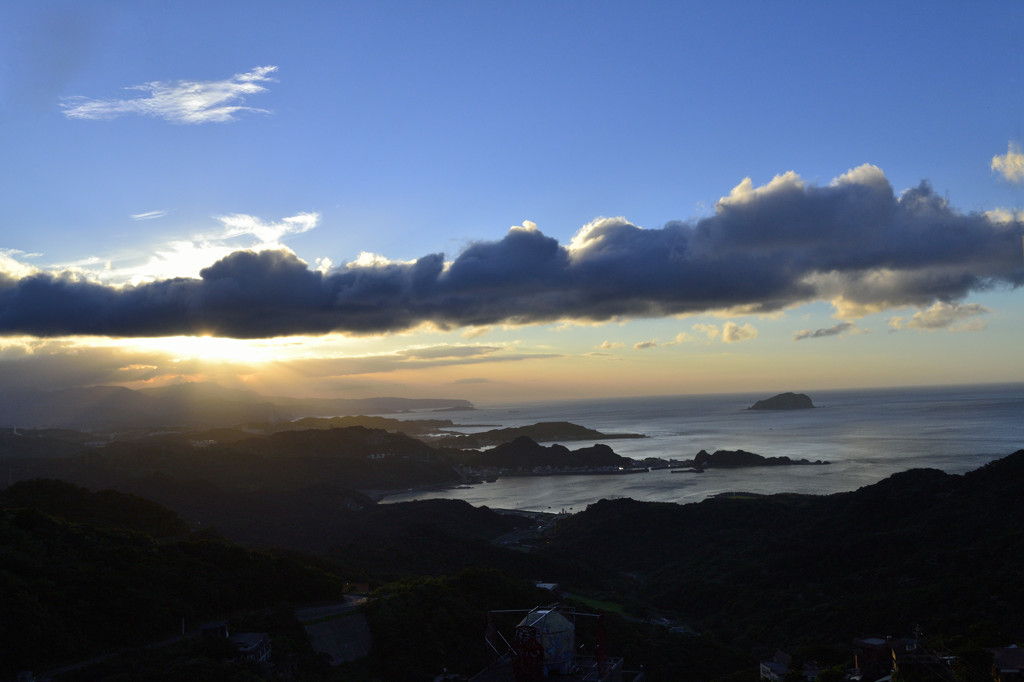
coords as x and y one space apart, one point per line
145 142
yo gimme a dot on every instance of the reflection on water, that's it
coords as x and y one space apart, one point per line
866 435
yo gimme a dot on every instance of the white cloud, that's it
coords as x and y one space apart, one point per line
866 174
368 259
14 268
1011 164
610 345
1005 215
149 215
745 192
958 317
187 257
645 345
179 101
730 332
733 333
324 265
268 235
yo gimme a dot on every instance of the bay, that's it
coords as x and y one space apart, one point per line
865 434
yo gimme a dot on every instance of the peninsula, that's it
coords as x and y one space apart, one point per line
733 459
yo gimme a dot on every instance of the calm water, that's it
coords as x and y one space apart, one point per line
865 434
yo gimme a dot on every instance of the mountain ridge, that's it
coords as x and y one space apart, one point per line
185 405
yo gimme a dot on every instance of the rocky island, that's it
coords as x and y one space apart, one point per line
732 459
784 401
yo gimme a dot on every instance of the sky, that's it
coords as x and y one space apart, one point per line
511 201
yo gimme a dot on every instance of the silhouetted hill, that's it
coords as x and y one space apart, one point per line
348 442
106 508
542 432
524 454
412 427
81 574
184 405
354 457
729 459
32 443
920 547
78 408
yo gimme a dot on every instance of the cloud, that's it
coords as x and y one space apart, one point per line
712 331
55 364
951 316
681 337
434 352
1010 165
189 102
475 332
610 345
13 268
645 345
835 330
149 215
733 333
730 332
853 243
416 358
61 363
187 257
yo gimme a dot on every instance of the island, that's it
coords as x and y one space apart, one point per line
734 459
784 401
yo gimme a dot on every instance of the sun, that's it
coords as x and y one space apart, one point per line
212 349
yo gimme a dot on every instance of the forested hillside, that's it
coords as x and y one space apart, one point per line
84 573
922 547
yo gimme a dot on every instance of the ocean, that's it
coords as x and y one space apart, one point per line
866 435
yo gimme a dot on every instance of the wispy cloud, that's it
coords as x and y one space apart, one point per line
179 101
60 363
441 352
419 358
187 257
149 215
835 330
952 316
853 243
1010 165
645 345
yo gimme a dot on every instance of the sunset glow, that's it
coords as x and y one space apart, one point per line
503 210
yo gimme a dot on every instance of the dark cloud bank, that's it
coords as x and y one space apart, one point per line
853 242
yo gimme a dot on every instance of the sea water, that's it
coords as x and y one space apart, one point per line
865 435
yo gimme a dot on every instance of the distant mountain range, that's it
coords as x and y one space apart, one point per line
186 405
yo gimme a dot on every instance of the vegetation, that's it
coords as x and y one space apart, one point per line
921 547
87 576
83 573
525 455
